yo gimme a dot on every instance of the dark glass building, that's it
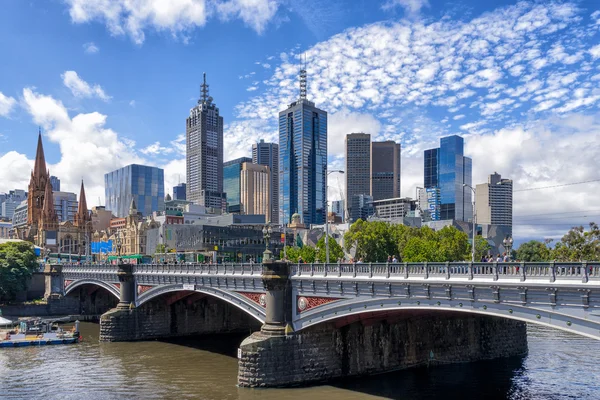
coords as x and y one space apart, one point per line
231 183
447 169
179 192
302 160
145 185
268 154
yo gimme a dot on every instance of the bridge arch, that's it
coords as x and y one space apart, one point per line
354 307
107 286
248 306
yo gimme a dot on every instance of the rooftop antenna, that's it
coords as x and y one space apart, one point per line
204 89
303 80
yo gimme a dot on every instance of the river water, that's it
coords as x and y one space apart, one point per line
559 366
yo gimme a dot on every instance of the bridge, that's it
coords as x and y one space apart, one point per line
332 315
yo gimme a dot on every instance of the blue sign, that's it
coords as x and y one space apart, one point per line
102 247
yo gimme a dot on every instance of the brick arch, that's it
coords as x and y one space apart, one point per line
352 309
107 286
233 298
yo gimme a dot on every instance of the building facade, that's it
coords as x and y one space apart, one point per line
10 201
385 170
231 183
338 208
303 160
494 201
394 208
447 169
204 153
362 207
143 184
358 166
268 154
66 205
179 192
255 190
55 183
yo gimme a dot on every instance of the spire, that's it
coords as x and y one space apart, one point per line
303 81
82 209
49 218
39 167
132 208
204 90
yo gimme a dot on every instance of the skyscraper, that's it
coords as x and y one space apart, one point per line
302 160
338 207
145 185
494 201
179 192
204 153
358 167
447 169
55 182
231 183
268 154
385 170
255 193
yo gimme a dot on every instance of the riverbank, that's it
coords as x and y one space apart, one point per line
51 307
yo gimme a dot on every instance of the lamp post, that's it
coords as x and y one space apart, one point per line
508 243
327 215
118 247
474 224
267 231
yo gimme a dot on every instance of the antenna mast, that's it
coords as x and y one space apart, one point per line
303 80
204 90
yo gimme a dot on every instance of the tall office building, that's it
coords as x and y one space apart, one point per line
145 185
255 191
10 201
361 207
447 169
358 167
179 192
302 160
204 153
268 154
231 183
494 201
65 205
385 170
55 183
338 207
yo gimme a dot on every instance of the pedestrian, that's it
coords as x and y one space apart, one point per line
490 259
360 261
483 258
498 258
505 257
389 260
394 259
300 261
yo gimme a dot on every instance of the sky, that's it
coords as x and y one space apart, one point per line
111 82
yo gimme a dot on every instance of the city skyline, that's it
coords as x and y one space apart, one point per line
522 101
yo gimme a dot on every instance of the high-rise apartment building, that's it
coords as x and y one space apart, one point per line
231 183
385 170
55 183
204 153
494 201
268 154
302 160
255 190
447 169
179 192
358 166
145 185
10 201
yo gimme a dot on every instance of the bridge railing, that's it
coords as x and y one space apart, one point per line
580 271
203 269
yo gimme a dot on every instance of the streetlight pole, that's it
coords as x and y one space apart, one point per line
267 231
474 225
327 216
508 242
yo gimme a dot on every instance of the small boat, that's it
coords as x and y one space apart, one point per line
37 332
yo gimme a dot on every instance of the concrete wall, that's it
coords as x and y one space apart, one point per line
54 307
328 351
158 319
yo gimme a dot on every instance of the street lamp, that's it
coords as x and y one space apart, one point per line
508 242
267 231
327 216
474 225
118 247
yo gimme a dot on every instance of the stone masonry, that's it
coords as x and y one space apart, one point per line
328 351
158 319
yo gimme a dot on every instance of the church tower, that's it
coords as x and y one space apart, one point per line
82 218
37 189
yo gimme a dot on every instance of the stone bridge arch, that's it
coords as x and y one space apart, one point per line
353 308
237 300
71 286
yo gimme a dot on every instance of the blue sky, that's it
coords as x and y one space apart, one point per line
110 84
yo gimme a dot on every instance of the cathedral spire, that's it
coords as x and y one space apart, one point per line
39 167
49 217
82 211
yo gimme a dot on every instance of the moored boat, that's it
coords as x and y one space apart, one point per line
37 332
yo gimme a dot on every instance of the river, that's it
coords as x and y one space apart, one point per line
559 366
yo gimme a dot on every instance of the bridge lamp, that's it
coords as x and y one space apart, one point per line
267 231
508 243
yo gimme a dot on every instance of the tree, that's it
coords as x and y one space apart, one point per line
307 253
579 244
482 247
17 263
160 248
533 251
335 250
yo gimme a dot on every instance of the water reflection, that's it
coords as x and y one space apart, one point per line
559 366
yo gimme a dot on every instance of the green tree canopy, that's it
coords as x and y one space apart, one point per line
307 253
533 251
335 250
17 263
579 244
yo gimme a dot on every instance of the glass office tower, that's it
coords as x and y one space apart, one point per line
447 169
268 154
302 160
145 185
231 183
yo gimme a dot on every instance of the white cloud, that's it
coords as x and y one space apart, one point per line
179 17
90 48
81 88
595 51
411 7
344 122
156 149
7 104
